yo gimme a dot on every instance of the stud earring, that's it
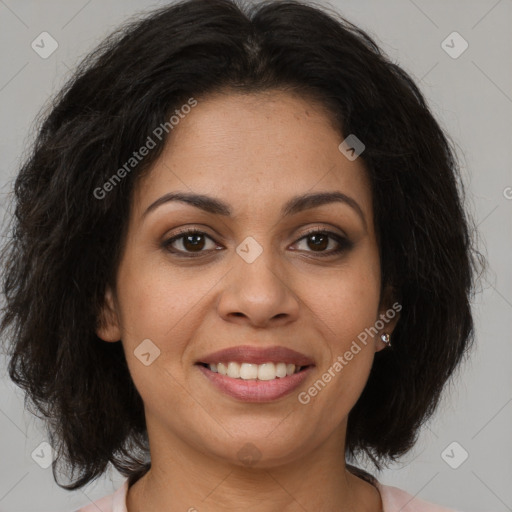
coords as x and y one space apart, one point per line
386 339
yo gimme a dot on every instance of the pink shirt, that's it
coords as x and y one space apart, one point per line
393 500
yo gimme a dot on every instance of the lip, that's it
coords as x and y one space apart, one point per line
257 355
256 390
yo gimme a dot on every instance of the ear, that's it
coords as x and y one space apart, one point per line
389 313
108 328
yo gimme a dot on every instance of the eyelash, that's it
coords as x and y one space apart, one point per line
344 243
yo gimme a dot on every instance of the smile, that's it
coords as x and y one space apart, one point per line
250 371
255 389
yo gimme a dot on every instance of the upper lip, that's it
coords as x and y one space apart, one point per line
257 355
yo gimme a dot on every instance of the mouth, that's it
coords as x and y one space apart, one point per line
254 372
253 383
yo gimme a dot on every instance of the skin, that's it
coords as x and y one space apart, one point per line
253 152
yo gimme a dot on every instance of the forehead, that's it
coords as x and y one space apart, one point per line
254 150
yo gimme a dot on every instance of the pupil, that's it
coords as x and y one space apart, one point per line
196 244
322 244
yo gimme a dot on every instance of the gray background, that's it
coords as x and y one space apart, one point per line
472 97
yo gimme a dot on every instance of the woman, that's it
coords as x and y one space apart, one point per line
239 262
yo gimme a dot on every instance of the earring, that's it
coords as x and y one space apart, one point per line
386 339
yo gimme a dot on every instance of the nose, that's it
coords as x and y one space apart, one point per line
258 294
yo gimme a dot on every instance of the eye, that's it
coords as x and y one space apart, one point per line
319 239
192 242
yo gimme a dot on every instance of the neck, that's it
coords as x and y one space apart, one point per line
317 481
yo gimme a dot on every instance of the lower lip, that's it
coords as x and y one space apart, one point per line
256 390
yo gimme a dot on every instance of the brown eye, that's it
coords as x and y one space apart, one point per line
318 241
191 241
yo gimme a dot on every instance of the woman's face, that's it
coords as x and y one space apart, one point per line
253 278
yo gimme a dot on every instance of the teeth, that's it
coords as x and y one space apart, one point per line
249 371
234 370
281 370
267 371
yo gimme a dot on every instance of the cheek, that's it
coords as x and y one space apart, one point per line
157 300
347 300
348 317
157 306
163 304
345 308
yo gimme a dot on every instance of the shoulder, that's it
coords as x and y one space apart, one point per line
395 500
115 502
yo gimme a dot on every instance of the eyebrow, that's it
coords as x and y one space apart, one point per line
294 205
